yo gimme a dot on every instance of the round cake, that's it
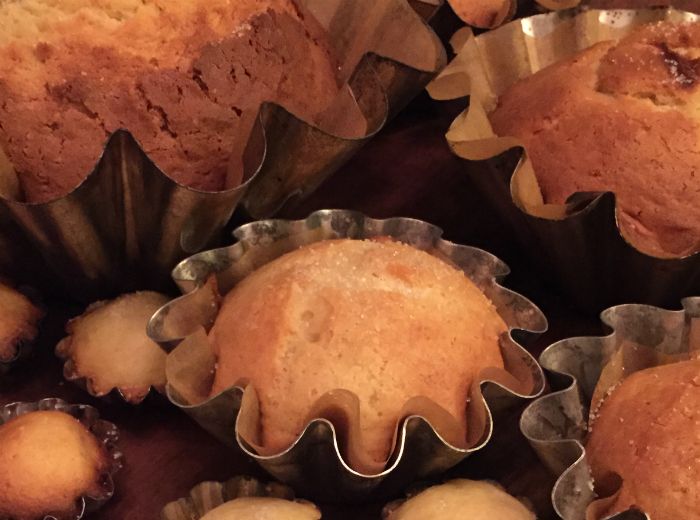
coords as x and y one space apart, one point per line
468 499
186 78
647 431
48 460
263 508
378 318
621 117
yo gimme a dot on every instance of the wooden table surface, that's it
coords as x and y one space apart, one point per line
405 171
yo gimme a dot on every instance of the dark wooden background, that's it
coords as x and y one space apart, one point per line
407 170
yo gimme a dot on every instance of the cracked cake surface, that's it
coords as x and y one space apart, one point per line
186 78
621 117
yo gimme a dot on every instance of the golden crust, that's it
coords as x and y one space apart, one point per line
48 460
186 78
620 117
263 508
462 498
19 319
483 13
381 319
648 432
109 348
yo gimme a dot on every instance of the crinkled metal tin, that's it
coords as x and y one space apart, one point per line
105 432
313 464
556 425
209 495
582 241
128 223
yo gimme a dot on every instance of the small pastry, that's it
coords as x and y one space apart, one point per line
646 432
19 319
108 347
377 318
483 13
48 461
263 508
468 499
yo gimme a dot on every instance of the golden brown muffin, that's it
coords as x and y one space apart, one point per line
186 78
48 460
19 319
381 319
108 346
620 117
263 508
468 499
647 431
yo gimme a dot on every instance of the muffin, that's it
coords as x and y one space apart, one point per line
378 319
462 499
647 432
483 13
19 319
186 78
622 117
108 347
48 461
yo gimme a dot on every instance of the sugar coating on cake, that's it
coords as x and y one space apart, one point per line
381 319
463 498
186 78
647 431
109 347
48 460
622 117
263 508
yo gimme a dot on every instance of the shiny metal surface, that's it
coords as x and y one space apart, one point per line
556 424
128 223
313 465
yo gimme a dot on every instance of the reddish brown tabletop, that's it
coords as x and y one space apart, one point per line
406 171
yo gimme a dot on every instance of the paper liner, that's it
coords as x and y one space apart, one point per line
582 241
25 342
128 223
313 463
106 433
71 372
209 495
555 425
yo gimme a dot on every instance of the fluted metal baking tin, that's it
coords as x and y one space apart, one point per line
313 465
208 495
106 433
585 248
556 424
128 223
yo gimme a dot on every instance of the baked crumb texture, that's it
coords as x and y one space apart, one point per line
109 349
620 117
19 320
380 319
462 499
263 508
186 78
648 432
48 461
